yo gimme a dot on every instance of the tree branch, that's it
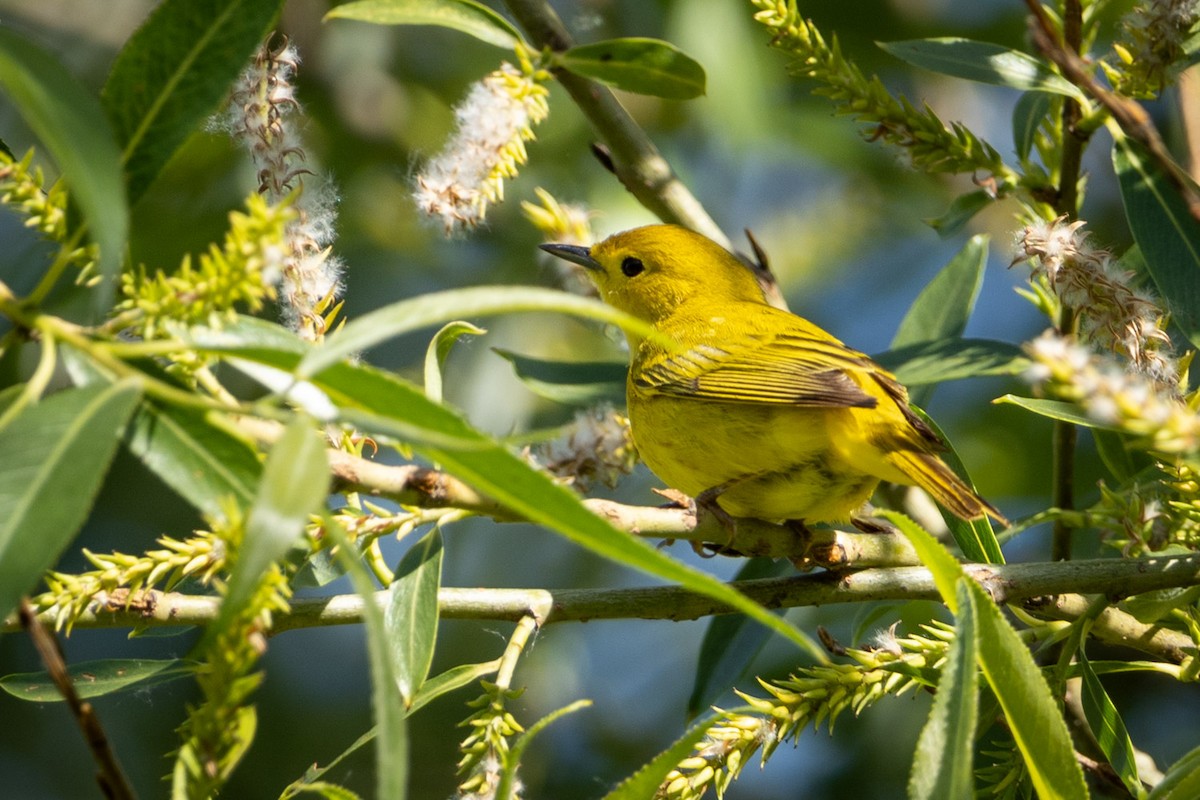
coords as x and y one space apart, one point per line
1115 578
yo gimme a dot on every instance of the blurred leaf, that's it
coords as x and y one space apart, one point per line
411 617
69 121
439 307
581 383
944 762
982 62
1108 728
465 16
293 487
391 728
642 66
962 209
1114 454
731 642
1182 781
646 781
1032 712
56 454
943 307
95 678
439 348
174 71
1054 409
1166 233
951 360
330 791
202 461
1150 607
1028 114
975 538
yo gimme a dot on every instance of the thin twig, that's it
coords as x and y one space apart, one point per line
110 776
1009 583
635 160
1129 115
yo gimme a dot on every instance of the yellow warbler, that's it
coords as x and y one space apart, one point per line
756 409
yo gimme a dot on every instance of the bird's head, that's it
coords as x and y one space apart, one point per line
652 272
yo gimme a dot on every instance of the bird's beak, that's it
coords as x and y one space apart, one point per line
573 253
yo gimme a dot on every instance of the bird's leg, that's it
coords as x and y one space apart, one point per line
708 501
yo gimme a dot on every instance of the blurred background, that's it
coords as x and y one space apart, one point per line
842 222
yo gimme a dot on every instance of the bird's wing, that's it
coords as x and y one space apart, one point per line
790 368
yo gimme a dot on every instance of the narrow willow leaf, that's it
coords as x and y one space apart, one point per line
731 642
174 71
1028 114
330 791
1108 728
391 727
1182 781
96 678
505 789
465 16
581 383
440 307
439 349
411 617
962 210
1032 712
943 765
69 121
56 454
507 478
643 66
952 360
1166 233
1054 409
983 62
293 487
202 461
1114 454
943 307
646 781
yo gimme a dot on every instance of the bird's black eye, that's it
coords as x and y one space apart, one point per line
632 266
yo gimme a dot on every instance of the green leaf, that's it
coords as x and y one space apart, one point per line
1032 712
505 477
975 538
391 728
1165 231
580 383
439 349
731 642
174 71
56 454
293 487
95 678
1054 409
943 307
1027 117
646 781
202 460
642 66
962 209
440 307
951 360
465 16
411 617
1108 728
982 62
330 791
1182 781
943 765
1114 454
69 121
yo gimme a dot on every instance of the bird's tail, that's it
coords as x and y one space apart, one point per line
931 474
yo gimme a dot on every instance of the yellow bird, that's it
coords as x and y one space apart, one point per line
757 409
